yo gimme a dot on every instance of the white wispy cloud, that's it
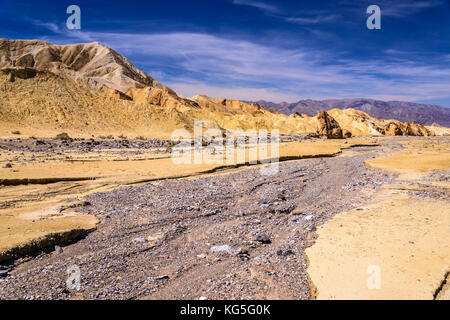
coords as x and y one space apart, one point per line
314 20
216 66
306 17
396 8
258 4
47 25
389 8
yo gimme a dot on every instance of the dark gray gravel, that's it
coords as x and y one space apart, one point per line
268 221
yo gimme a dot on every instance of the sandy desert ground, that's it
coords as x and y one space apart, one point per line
141 227
39 177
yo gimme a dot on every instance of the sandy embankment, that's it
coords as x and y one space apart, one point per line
400 240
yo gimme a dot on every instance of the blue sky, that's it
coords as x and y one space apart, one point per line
261 49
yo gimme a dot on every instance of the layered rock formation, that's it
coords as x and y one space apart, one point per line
328 127
360 123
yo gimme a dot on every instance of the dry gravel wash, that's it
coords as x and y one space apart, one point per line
42 179
156 241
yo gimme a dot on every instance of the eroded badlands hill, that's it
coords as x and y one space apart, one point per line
87 89
93 62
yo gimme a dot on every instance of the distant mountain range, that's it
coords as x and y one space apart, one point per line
424 114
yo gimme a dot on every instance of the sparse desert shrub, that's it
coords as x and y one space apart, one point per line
122 137
63 136
16 132
140 138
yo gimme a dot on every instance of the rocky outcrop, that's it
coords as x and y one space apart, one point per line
21 73
360 123
159 97
415 129
393 129
234 106
301 116
347 134
328 127
396 128
424 114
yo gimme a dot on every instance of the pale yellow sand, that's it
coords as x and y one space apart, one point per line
417 158
406 239
22 232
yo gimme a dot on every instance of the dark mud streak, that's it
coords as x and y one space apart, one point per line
40 245
27 181
441 286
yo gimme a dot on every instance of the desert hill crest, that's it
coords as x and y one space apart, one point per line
91 89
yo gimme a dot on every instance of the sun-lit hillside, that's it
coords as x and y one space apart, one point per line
89 89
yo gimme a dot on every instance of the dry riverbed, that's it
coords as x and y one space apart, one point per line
43 180
236 234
